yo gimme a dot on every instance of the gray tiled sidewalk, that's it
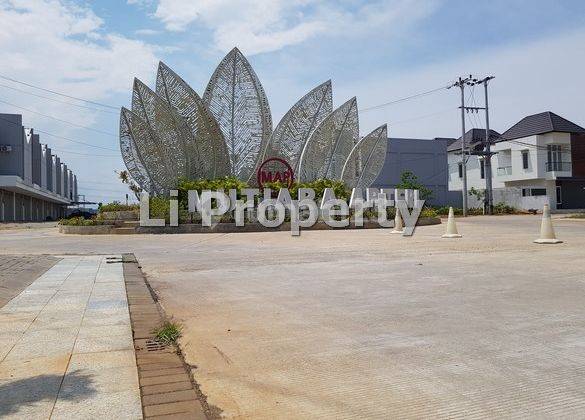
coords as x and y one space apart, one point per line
18 271
66 348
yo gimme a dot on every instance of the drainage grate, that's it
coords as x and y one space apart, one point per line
153 345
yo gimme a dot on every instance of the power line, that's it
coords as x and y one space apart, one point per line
59 119
57 100
422 116
58 93
61 137
81 154
406 98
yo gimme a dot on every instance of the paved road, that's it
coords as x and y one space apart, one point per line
361 324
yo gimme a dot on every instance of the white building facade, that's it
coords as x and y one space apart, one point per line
532 166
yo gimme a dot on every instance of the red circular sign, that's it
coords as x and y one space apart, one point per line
275 170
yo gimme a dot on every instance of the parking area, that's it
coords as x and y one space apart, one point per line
341 324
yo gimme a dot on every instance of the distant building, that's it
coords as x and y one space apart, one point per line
540 159
34 184
427 160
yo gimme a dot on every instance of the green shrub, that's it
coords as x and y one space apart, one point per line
77 221
117 206
502 208
443 211
474 211
319 185
409 180
428 212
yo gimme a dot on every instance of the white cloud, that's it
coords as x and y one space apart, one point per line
61 46
531 77
258 26
146 32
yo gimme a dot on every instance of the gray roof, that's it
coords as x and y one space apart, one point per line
474 139
545 122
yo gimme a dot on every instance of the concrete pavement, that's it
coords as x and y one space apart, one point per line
66 348
363 324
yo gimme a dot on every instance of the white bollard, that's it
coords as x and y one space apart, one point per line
547 233
451 227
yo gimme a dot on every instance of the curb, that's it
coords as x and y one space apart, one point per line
167 387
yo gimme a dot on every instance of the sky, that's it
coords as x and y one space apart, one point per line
378 51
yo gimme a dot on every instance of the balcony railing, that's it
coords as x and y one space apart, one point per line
505 170
558 166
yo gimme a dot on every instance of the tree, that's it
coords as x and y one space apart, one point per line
409 181
127 179
480 195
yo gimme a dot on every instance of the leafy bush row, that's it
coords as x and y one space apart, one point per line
117 206
77 221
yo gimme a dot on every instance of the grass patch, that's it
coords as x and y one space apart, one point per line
168 333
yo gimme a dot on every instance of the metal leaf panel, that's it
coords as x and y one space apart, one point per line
366 160
130 153
236 99
208 152
328 148
298 124
173 139
141 150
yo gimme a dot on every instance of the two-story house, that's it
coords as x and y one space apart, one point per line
540 159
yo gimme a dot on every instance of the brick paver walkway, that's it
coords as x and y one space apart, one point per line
18 271
66 348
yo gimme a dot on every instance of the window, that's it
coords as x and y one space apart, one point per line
482 169
527 192
554 157
460 166
525 159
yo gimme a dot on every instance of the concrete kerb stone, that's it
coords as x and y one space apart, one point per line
167 387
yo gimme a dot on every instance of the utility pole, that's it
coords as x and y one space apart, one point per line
488 153
460 83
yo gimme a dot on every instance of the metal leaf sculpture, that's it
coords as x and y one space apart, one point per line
174 133
366 160
298 124
209 157
330 145
140 153
236 99
175 137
